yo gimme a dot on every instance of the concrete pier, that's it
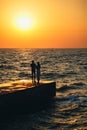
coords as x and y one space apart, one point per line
19 95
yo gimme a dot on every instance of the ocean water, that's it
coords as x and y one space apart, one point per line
68 67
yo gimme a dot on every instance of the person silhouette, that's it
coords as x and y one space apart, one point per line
38 72
33 67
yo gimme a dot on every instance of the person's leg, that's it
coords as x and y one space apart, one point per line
38 76
34 76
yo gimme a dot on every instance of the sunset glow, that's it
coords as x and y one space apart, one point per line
43 24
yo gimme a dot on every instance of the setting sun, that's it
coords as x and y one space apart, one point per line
24 22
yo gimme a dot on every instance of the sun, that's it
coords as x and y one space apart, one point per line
24 22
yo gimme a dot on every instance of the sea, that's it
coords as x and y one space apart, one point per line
68 68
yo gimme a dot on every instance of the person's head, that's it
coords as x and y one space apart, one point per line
38 63
32 61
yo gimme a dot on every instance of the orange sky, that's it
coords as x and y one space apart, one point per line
55 24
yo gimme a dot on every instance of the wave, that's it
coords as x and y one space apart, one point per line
23 74
74 86
63 88
78 84
67 98
24 64
7 67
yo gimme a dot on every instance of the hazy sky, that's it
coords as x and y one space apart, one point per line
43 23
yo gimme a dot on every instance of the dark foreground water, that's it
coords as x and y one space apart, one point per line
68 67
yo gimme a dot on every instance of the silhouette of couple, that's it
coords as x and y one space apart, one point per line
35 69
